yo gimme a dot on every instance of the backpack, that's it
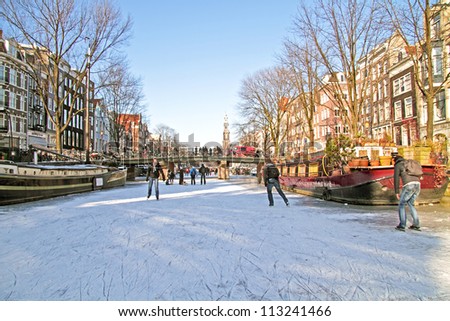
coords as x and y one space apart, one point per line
272 172
413 168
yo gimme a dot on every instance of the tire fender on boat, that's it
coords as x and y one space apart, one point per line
97 183
326 194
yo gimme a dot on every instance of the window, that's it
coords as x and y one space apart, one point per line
18 125
387 112
396 87
381 114
398 110
436 26
5 98
4 125
439 105
2 97
437 61
406 83
424 115
19 80
19 102
408 107
402 84
13 77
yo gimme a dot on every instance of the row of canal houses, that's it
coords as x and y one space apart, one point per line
394 110
23 120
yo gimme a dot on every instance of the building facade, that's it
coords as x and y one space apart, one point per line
16 97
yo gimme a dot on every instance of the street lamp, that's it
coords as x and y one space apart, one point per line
87 129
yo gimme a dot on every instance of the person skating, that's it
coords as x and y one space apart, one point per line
271 174
193 173
409 193
170 177
203 170
154 171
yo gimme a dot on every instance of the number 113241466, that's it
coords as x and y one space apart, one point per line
295 311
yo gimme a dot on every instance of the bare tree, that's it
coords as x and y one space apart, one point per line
341 32
167 139
67 38
304 65
122 94
266 98
421 27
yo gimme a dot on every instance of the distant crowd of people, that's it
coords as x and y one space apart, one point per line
155 173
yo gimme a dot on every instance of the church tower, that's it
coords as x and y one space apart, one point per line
226 136
224 171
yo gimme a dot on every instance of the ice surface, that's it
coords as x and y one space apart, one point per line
219 241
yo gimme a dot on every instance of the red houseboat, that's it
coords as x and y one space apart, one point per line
364 185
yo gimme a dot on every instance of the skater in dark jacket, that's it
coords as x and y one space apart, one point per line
181 177
271 174
410 191
203 170
154 171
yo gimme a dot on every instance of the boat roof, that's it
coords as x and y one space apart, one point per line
60 166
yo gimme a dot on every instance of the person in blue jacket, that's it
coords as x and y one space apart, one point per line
193 173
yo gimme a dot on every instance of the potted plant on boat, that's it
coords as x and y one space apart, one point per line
338 152
422 151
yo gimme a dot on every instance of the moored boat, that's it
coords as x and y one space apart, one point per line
23 182
367 185
355 183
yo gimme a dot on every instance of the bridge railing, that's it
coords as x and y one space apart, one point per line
192 159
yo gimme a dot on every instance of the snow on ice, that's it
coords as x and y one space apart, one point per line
219 241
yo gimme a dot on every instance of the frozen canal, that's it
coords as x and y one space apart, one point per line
218 241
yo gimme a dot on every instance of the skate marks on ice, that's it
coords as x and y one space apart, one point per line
214 242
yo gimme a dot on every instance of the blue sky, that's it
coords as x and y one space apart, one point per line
193 55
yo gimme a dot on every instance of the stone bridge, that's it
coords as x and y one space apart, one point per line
171 162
